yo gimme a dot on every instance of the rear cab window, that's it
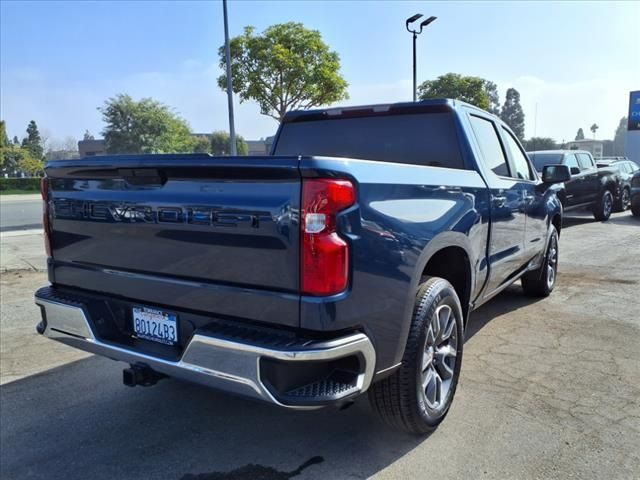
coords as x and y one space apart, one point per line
490 146
419 139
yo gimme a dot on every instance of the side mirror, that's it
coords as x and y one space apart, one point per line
556 174
575 170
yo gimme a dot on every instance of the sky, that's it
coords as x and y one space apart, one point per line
573 63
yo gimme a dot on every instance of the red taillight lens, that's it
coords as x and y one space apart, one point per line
44 191
325 255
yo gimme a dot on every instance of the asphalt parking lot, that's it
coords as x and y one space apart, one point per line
549 389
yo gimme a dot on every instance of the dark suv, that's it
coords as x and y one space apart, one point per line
626 169
600 190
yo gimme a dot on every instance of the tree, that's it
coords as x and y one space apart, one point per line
593 129
220 144
202 144
619 138
31 165
512 113
4 143
87 136
33 141
540 143
147 126
287 67
580 134
474 90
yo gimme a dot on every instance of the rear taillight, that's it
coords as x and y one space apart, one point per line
44 191
325 255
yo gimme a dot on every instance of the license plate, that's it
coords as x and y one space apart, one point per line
155 325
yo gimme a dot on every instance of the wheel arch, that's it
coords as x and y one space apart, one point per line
435 260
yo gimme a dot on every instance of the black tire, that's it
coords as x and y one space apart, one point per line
635 209
623 202
540 282
400 399
602 209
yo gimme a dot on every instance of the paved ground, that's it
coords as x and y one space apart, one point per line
20 212
549 389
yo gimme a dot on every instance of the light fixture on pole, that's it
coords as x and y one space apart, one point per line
227 50
415 36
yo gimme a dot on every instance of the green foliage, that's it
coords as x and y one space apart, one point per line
87 136
580 134
202 144
618 139
23 184
220 143
540 143
474 90
31 166
147 126
593 129
512 113
287 67
33 141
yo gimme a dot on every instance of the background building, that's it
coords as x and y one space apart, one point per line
596 147
91 148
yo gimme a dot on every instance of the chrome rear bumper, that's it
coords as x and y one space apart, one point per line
227 365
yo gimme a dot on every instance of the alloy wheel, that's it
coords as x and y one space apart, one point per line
552 262
439 359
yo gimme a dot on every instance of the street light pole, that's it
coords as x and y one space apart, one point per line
415 37
227 49
415 69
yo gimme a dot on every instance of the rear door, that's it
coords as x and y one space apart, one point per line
588 177
506 252
573 188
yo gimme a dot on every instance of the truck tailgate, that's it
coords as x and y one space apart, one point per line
212 234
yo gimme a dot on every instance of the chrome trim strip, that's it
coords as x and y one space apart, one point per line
211 361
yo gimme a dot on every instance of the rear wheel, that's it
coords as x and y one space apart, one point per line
635 209
417 396
623 202
602 210
540 282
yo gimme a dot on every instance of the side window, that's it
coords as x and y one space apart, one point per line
572 162
521 164
490 146
634 167
585 161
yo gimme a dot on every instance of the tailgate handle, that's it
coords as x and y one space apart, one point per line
142 176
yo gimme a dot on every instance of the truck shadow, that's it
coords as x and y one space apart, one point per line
78 421
512 298
579 218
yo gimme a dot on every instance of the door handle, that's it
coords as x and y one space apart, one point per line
499 201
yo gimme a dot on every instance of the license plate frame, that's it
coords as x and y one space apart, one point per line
155 325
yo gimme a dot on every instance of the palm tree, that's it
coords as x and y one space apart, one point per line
593 129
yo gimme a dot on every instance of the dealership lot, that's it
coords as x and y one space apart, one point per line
549 389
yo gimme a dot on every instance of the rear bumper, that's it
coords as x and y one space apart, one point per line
344 366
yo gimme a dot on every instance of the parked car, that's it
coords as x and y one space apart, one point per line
625 170
606 161
347 261
599 190
635 194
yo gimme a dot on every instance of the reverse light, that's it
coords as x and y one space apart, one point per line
44 192
324 259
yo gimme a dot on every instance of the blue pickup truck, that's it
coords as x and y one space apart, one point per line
347 261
